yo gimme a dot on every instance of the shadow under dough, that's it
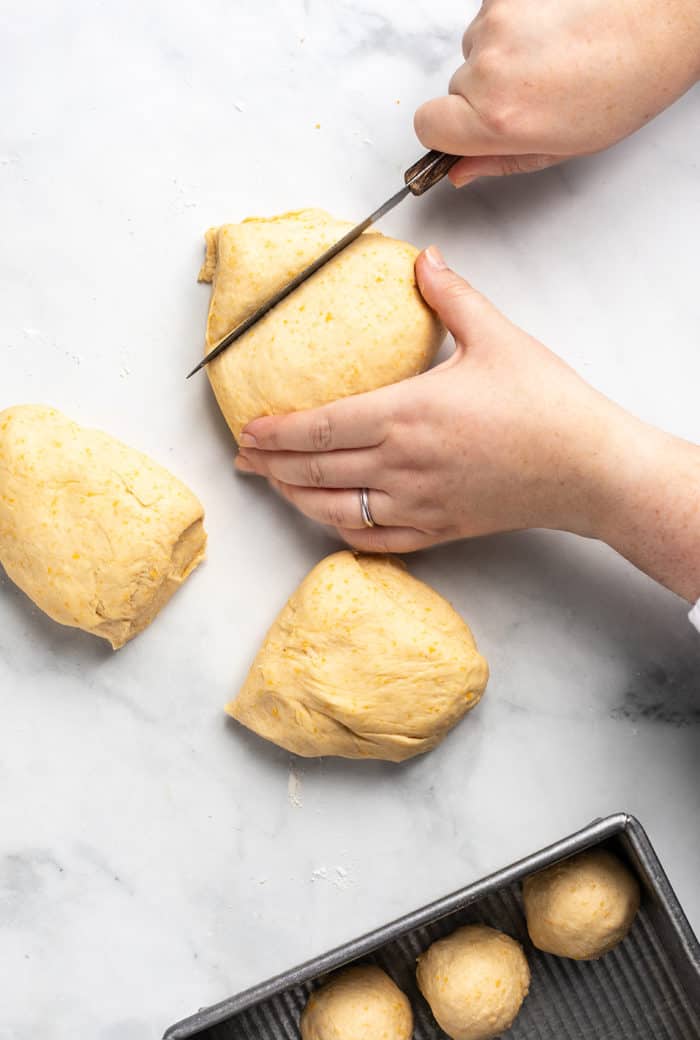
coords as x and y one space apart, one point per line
54 638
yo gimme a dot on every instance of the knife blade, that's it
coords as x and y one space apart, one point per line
423 174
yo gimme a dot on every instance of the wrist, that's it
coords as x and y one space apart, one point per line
628 453
601 449
647 504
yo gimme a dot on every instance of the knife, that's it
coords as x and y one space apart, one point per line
429 169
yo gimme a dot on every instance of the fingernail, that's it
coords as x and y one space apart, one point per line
435 258
247 440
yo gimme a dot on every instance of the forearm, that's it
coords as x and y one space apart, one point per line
651 511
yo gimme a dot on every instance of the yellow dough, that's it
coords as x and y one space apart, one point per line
582 907
364 661
360 1003
358 324
97 534
475 981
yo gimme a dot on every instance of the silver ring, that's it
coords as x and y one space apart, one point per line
365 511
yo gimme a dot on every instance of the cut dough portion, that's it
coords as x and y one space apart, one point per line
582 907
475 981
364 661
358 324
358 1003
97 534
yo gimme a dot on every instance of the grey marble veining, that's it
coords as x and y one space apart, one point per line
154 857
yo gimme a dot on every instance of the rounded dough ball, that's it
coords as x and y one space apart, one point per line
358 1004
581 908
475 981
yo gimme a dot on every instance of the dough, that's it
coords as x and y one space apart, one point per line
358 324
97 534
360 1003
582 907
363 662
475 981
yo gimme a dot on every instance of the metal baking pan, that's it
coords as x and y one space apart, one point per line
648 988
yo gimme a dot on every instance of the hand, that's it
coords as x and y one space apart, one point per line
545 80
501 436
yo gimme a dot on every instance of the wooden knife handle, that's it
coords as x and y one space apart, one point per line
429 169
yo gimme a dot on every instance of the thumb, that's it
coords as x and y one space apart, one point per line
451 297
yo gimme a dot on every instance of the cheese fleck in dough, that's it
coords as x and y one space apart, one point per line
357 324
95 533
364 661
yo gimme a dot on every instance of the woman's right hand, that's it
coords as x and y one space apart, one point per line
501 436
546 80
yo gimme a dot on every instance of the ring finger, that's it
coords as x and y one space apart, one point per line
338 508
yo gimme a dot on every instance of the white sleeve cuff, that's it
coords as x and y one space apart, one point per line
694 615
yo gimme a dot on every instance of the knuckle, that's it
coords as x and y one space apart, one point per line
524 163
541 162
334 515
376 541
511 164
314 473
400 454
486 63
498 117
422 499
458 291
322 433
380 544
401 464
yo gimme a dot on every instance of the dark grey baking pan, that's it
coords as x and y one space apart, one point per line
646 989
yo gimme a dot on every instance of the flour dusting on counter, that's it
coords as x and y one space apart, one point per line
294 786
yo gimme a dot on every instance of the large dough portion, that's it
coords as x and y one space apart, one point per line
358 324
97 534
364 661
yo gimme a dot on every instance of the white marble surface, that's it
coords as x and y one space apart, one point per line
155 857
